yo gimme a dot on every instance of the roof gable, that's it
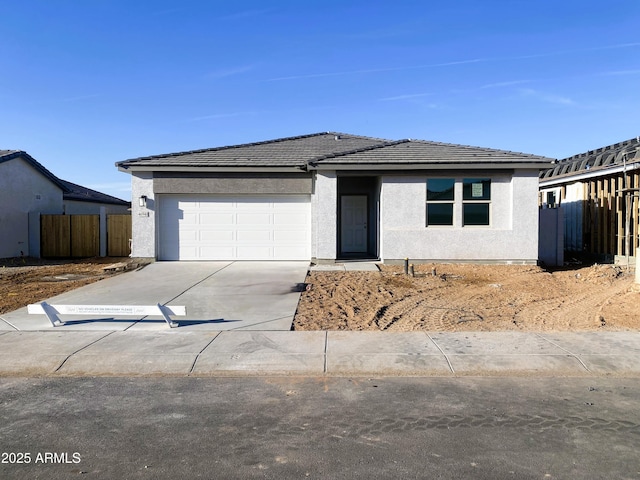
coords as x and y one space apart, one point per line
70 191
8 155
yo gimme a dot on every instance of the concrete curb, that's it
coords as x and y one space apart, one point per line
335 353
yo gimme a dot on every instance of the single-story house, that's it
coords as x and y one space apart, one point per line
327 197
27 190
598 193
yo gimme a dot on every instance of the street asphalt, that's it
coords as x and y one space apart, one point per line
320 428
238 322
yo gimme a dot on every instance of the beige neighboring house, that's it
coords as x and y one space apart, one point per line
27 190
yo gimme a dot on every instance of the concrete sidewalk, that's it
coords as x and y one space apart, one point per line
232 353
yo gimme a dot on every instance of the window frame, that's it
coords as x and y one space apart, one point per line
484 198
462 195
451 202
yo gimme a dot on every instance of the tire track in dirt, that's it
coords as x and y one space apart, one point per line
581 310
470 298
418 312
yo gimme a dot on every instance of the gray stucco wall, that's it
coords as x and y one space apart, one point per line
512 235
324 216
23 190
143 219
74 207
235 184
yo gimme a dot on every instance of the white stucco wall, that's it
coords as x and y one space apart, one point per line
23 190
324 216
512 235
143 219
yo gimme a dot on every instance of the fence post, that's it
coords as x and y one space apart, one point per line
103 232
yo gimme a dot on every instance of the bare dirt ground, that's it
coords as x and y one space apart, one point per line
456 298
28 280
472 298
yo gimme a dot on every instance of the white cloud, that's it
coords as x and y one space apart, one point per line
374 70
549 98
405 97
505 84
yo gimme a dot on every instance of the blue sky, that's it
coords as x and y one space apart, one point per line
88 83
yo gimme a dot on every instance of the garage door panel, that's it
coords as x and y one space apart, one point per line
254 237
199 227
291 237
288 219
216 236
254 218
216 219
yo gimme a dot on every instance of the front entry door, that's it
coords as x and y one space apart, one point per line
353 224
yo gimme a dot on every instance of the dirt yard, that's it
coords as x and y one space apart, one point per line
28 280
471 298
456 298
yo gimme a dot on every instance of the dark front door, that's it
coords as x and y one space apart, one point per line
353 227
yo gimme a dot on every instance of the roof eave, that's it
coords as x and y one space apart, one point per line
431 166
218 169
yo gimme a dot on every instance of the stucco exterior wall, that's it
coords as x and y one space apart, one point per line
511 237
74 207
324 216
143 219
235 185
23 190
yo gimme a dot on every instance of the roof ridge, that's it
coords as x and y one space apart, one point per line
248 144
387 143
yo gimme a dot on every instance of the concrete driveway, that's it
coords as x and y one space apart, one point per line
218 296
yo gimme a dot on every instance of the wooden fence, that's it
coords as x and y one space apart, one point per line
118 235
73 236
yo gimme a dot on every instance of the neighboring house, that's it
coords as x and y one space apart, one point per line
598 192
79 200
27 190
330 196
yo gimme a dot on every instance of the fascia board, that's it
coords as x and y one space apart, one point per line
150 168
432 166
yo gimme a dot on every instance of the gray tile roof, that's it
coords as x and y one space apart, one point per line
283 152
70 191
421 152
601 159
84 194
332 148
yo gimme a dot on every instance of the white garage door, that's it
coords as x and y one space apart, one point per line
205 227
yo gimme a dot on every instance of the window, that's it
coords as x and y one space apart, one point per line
476 200
440 198
551 200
